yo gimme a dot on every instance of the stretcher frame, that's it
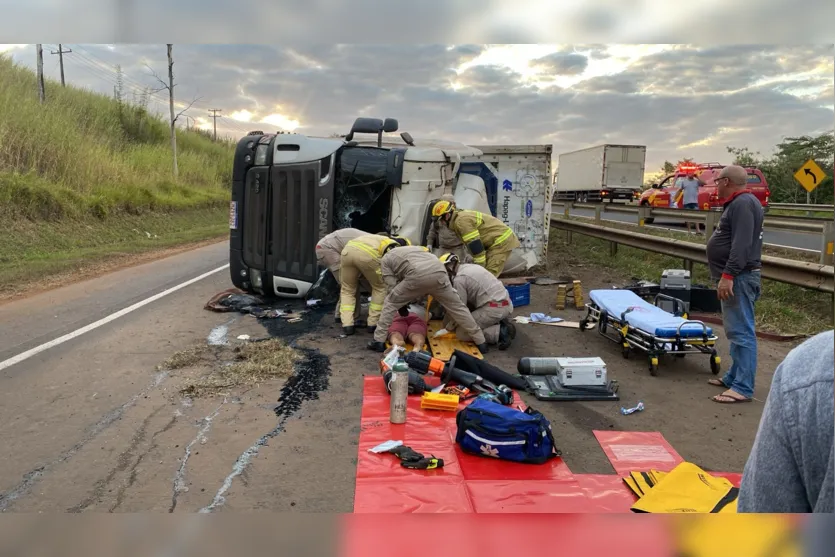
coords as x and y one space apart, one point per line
631 338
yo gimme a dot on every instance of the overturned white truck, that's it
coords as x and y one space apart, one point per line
290 190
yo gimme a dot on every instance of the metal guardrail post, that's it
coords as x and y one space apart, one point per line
828 243
643 214
567 209
597 210
711 220
613 249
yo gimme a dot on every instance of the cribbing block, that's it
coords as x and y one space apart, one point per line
438 401
443 347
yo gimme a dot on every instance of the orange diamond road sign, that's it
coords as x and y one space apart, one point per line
810 175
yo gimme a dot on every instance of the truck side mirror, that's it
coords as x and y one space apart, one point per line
390 125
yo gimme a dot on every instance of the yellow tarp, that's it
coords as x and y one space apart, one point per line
685 489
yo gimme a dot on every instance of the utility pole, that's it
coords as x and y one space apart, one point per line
60 54
171 109
41 91
214 112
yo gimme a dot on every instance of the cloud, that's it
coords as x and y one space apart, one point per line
678 100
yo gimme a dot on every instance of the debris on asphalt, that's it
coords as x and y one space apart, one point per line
243 337
313 303
543 318
627 411
545 281
217 336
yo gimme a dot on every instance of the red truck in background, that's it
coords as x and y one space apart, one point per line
666 193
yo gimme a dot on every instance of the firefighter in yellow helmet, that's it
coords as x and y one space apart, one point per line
361 258
488 239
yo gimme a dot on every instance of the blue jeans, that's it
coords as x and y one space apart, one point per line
738 319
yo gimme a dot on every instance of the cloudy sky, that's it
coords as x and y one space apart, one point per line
678 100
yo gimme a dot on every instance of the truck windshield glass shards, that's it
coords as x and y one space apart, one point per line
362 196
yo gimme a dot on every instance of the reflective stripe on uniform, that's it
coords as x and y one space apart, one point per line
347 308
470 236
480 258
505 235
376 307
479 219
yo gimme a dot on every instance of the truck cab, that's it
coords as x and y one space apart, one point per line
290 190
665 193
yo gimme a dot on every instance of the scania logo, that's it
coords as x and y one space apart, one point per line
323 217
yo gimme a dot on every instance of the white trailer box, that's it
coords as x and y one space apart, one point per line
600 173
517 181
581 371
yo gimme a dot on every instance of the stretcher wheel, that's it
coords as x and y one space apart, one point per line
584 324
653 366
625 350
715 364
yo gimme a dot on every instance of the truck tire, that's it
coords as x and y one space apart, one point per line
648 220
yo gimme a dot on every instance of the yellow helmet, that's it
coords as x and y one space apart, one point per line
402 240
442 207
449 259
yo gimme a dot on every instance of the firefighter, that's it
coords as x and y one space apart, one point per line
440 236
486 298
329 255
361 258
411 273
489 240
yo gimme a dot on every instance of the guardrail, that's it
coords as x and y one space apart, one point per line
799 273
802 207
824 227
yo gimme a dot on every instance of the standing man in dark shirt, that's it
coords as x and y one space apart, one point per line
734 256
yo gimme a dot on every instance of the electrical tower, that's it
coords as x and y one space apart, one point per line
214 117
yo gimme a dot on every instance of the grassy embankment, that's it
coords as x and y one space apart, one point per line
782 308
87 182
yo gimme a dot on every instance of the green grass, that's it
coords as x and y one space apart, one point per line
799 213
782 308
79 173
34 251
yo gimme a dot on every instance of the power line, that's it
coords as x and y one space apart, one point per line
60 54
214 117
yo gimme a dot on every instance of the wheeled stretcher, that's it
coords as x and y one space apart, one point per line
634 323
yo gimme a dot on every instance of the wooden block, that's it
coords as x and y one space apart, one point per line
442 347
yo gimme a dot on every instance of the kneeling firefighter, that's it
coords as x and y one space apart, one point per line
411 273
361 258
486 298
489 240
329 255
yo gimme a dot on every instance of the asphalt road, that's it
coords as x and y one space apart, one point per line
90 422
799 240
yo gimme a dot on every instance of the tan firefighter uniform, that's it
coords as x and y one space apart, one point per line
441 239
361 258
486 298
329 255
411 273
488 239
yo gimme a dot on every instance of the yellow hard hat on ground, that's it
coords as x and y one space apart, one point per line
441 208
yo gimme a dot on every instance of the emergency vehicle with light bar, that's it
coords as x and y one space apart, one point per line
667 194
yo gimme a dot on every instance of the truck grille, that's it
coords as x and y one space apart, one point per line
293 224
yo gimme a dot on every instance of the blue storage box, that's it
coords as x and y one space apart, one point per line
520 294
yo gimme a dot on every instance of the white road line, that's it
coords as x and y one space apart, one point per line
104 321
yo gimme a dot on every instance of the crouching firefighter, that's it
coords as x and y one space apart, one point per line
361 258
488 239
486 298
329 255
411 273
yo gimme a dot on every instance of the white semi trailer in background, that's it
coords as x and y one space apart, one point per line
603 172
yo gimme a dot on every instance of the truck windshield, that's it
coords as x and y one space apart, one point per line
361 196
